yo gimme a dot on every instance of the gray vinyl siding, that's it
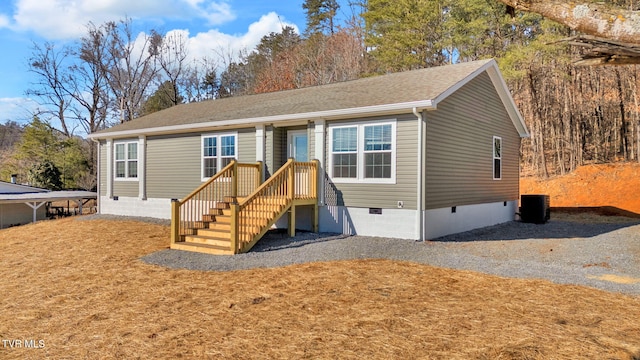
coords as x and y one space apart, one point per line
279 148
384 196
174 162
459 149
126 188
103 168
276 149
173 165
247 145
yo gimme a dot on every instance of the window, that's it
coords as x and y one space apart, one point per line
126 160
363 153
377 152
497 158
217 152
345 152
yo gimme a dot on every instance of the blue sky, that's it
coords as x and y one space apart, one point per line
228 24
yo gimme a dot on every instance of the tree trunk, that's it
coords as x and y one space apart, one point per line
599 19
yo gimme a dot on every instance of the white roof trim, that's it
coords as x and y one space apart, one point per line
327 115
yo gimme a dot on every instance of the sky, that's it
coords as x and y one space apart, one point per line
210 24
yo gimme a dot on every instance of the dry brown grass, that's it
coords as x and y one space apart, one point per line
79 286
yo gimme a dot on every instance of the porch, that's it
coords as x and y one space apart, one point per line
231 212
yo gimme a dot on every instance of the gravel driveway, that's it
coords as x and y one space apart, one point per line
599 255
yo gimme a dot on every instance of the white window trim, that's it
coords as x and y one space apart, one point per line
219 158
126 161
360 179
494 157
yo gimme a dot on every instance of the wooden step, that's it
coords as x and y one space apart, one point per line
220 205
221 219
226 234
202 248
201 224
214 233
209 240
230 199
220 226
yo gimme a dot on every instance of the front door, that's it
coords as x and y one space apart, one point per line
298 149
297 145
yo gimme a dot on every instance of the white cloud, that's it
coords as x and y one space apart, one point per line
64 19
4 21
219 46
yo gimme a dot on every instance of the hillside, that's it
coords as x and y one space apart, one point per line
615 185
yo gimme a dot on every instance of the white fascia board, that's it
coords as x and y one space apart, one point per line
500 85
326 115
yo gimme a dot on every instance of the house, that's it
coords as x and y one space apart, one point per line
414 155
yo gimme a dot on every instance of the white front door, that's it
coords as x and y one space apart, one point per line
298 149
298 145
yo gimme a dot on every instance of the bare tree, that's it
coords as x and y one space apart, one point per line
172 57
89 85
201 80
131 67
49 64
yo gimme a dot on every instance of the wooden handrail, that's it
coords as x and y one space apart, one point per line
267 183
187 215
274 197
208 182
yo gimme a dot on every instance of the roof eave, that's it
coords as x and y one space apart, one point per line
376 110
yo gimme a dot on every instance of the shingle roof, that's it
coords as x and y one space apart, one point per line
397 88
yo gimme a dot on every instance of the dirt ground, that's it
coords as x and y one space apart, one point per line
77 289
606 185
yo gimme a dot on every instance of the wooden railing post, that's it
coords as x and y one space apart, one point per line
234 179
314 179
259 174
315 193
234 227
175 221
291 180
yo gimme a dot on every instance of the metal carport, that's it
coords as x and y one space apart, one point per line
37 199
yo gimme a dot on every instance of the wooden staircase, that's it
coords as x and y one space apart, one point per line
233 224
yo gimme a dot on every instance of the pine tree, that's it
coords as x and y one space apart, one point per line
321 16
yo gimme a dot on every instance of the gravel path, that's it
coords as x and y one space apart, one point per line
600 255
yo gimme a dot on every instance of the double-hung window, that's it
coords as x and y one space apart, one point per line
126 160
217 152
345 152
363 152
497 158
